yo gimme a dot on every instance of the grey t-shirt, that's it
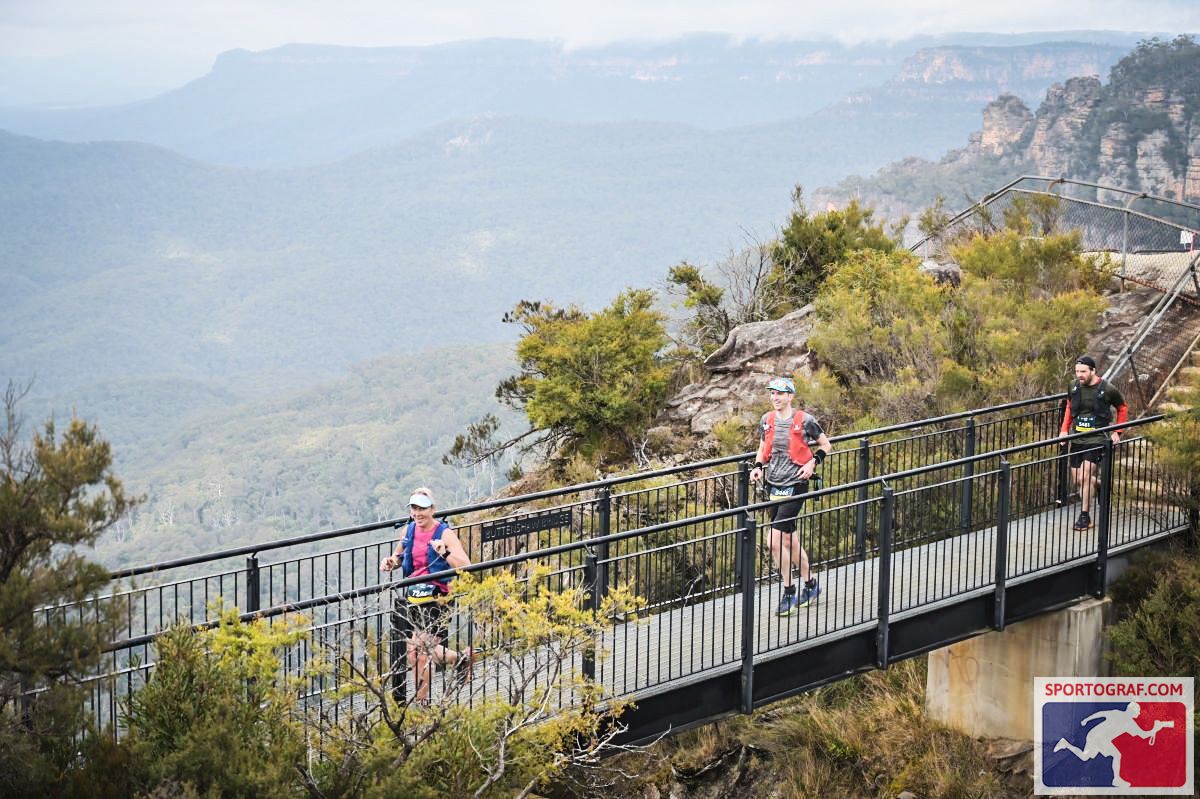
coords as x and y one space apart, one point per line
780 469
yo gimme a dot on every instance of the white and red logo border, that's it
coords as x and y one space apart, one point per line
1112 690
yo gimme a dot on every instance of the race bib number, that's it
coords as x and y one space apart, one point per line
780 492
421 593
1085 423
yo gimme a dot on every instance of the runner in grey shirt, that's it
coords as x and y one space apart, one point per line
790 457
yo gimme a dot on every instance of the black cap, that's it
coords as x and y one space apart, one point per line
1086 360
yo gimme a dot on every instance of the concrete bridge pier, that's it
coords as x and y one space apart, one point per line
984 686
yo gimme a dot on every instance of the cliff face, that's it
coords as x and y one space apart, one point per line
1151 144
1016 70
1059 121
1139 131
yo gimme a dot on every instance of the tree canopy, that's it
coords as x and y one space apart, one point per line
810 244
57 492
588 383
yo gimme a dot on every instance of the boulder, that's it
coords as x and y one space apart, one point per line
738 372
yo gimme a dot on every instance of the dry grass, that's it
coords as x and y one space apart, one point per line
863 737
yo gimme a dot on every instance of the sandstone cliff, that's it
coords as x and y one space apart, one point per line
1139 131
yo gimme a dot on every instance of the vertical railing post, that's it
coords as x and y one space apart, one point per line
1104 521
253 602
743 499
605 524
966 511
398 647
864 471
747 545
1002 513
884 565
592 591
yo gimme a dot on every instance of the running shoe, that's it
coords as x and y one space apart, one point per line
787 605
1084 522
809 594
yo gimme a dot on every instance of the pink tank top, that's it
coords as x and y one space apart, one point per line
420 549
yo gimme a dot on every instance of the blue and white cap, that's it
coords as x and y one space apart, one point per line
782 384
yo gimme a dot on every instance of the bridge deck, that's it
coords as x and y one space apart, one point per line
653 654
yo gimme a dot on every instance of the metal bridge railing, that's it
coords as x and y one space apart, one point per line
1105 216
938 533
153 597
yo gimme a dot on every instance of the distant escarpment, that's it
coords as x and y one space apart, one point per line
1139 131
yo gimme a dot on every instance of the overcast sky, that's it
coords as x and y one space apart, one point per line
52 48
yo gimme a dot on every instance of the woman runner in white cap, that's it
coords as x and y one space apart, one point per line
428 546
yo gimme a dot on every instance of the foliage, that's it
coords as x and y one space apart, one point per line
733 435
809 245
343 453
906 347
56 494
743 292
589 383
823 396
933 220
1177 443
512 738
1162 637
880 331
213 715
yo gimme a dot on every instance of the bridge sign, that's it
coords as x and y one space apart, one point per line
507 528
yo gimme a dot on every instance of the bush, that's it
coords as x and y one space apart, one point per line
212 716
1162 637
810 245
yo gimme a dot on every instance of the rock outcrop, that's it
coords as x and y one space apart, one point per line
1059 121
1005 121
738 372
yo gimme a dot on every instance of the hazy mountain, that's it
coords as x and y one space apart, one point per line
302 104
122 259
125 263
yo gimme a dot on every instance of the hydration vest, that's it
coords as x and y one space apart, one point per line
435 562
798 450
1102 411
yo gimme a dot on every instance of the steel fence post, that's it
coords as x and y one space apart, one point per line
1002 513
748 542
864 471
1104 520
966 512
743 499
884 598
605 520
253 600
